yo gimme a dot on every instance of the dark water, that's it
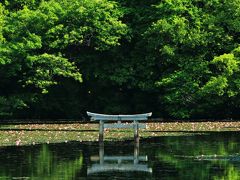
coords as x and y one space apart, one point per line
209 156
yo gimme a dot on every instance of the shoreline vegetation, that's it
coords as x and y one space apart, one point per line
31 134
178 59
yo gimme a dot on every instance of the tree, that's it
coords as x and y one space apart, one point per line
183 42
36 44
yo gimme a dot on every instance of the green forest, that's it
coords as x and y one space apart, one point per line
179 59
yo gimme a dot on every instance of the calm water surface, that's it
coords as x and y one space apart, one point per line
208 156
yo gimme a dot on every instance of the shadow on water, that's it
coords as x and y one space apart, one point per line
209 156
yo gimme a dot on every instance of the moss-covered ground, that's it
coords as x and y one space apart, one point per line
30 134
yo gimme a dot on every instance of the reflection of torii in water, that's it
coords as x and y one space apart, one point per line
104 166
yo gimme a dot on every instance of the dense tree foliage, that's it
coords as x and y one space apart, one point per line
184 41
177 58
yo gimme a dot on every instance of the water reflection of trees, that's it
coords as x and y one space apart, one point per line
214 156
39 163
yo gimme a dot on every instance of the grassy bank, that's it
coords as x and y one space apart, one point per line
27 134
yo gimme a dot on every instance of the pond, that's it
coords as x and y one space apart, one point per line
200 156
